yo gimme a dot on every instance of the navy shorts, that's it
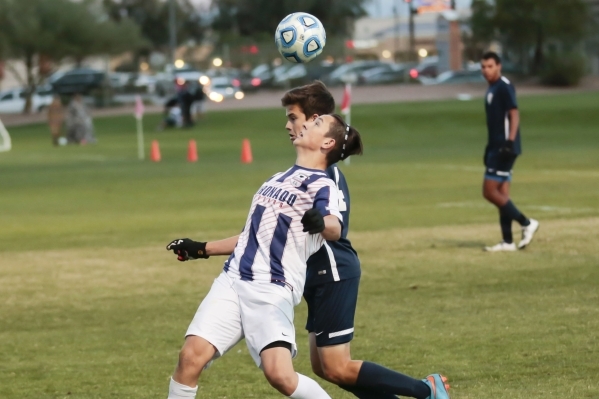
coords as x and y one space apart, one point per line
499 168
331 311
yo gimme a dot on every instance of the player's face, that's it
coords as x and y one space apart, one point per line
490 69
295 120
313 134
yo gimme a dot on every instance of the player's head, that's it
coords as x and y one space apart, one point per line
306 103
330 136
491 66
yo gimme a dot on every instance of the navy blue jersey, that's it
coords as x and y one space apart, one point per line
335 260
500 99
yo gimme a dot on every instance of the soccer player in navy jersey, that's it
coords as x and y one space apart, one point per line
503 147
332 282
291 216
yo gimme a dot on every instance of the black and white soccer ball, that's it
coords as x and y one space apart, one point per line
300 37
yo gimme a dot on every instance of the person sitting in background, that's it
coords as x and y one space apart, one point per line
80 129
56 119
171 115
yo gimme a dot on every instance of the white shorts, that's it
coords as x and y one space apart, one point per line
234 309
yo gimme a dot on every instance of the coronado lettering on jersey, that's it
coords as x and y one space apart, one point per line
277 194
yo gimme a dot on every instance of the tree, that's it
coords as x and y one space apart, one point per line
55 29
152 17
252 17
530 25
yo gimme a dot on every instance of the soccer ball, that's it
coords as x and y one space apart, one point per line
300 37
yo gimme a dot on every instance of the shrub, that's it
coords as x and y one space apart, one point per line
565 69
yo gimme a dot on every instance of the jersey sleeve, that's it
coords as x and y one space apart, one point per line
326 199
509 97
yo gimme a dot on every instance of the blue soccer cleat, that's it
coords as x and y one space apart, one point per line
438 385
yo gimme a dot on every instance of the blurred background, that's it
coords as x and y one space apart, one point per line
112 50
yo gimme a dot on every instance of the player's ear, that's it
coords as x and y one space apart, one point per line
313 118
328 143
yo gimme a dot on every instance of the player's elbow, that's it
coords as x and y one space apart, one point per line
332 233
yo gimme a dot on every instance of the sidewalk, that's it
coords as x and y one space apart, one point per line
360 95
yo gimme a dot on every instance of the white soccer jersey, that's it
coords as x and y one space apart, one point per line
273 247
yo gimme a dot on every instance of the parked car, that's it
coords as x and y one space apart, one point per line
456 77
384 74
337 76
427 68
221 87
241 79
167 81
13 101
80 80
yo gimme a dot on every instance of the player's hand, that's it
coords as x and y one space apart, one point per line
507 150
187 249
313 221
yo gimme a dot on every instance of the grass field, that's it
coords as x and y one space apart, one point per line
92 306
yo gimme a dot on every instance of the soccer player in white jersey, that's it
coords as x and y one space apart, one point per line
291 216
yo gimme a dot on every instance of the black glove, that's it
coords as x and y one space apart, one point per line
507 150
313 221
187 249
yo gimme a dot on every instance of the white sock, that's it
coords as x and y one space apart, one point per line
307 388
180 391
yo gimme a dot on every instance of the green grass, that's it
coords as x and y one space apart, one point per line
92 306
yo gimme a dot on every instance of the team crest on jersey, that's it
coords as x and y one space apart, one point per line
298 180
489 98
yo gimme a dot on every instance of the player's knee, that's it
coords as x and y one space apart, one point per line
282 381
339 374
191 359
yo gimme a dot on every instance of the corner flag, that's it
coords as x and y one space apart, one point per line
346 101
139 114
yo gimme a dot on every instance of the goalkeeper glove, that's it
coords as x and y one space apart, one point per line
313 221
507 150
187 249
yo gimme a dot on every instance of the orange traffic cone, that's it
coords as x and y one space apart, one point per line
192 151
246 152
155 151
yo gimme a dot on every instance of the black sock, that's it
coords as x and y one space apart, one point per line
506 227
513 213
363 393
380 379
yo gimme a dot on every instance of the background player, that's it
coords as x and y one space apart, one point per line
332 281
503 147
264 277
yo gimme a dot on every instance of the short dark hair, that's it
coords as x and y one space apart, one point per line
313 98
492 55
347 141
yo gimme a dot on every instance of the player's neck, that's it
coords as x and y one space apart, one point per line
492 82
311 160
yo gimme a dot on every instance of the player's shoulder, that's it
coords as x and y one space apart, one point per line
506 82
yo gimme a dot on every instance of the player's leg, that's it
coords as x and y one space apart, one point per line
267 319
333 308
194 356
278 369
215 328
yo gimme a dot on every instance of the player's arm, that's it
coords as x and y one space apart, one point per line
222 247
511 104
514 123
332 228
329 226
187 249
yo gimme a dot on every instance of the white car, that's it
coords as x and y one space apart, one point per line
13 101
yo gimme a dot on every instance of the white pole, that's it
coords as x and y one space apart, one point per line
140 139
6 144
348 115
